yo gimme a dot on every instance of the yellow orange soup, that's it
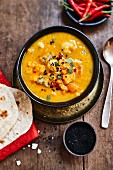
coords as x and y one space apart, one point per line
57 67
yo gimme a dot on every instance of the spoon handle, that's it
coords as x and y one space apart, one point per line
107 104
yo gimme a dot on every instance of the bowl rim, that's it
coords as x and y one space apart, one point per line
83 122
79 35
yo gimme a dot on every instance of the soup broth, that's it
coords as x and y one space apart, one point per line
57 67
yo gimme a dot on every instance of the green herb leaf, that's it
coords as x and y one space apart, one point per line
68 60
45 59
41 80
59 77
53 40
48 97
49 56
70 71
56 64
91 70
71 64
84 52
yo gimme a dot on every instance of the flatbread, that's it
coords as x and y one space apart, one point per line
24 120
8 110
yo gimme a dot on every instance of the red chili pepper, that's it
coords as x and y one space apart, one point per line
60 55
88 5
93 11
93 4
105 1
81 8
97 15
99 3
75 7
75 70
82 4
85 1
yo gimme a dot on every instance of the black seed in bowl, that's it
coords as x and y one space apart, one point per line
80 138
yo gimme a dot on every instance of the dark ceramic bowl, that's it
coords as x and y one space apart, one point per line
79 138
75 17
88 43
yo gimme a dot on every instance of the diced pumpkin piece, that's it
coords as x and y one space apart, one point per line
29 70
40 68
40 44
80 69
63 87
34 64
34 78
29 64
68 78
72 87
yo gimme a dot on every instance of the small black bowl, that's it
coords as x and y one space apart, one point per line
79 138
87 42
75 17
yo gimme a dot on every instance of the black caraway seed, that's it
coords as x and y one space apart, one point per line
80 138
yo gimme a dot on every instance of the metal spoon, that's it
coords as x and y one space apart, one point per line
108 56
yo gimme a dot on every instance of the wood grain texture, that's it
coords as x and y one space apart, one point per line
19 20
101 158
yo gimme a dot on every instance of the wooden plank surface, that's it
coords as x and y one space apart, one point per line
19 20
101 158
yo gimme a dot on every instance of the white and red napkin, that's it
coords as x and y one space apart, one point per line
26 138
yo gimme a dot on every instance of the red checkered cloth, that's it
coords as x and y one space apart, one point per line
26 138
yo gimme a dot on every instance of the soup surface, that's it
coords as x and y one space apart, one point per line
57 67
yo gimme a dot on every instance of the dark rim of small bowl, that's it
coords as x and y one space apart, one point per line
88 43
75 17
65 137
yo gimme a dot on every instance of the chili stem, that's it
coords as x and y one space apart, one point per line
93 11
88 15
75 6
67 7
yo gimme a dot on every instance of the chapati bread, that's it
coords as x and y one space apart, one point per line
24 119
8 110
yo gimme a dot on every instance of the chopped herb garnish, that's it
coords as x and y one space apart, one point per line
59 77
68 60
49 56
52 41
71 64
56 64
70 71
84 52
91 70
41 80
44 58
48 97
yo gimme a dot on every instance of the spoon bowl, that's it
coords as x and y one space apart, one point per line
108 56
108 51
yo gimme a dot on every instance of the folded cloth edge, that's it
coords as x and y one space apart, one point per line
24 139
19 142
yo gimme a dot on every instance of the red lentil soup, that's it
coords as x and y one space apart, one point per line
57 67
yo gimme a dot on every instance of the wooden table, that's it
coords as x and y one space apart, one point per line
19 20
